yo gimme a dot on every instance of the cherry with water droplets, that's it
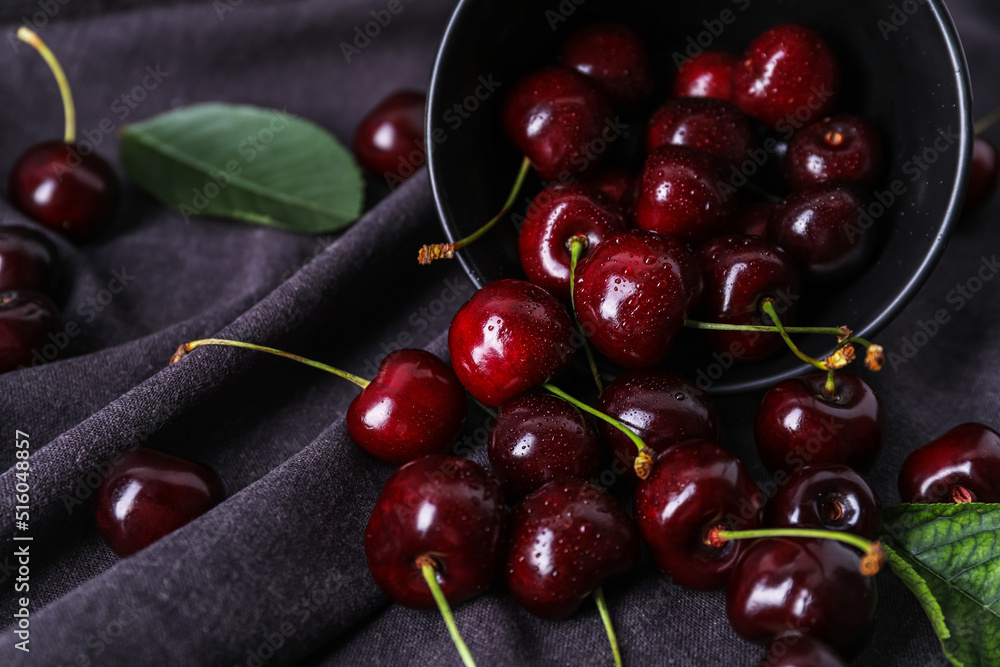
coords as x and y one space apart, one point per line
615 58
709 74
27 260
963 465
389 139
844 147
826 497
26 318
984 172
713 126
792 650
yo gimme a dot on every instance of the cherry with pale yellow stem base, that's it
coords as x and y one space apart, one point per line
872 559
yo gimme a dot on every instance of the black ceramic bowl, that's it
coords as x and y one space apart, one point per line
906 72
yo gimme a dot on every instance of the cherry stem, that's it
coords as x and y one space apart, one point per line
766 328
30 37
871 561
490 411
429 253
643 462
830 388
762 193
577 244
986 122
187 347
768 307
602 607
426 564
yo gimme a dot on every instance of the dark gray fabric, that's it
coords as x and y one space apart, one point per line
280 562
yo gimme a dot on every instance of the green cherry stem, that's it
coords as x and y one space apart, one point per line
871 560
30 37
766 328
602 607
830 388
427 567
768 307
577 244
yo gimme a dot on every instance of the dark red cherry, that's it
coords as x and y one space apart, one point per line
709 74
739 273
566 538
414 406
555 117
149 494
556 215
621 186
983 174
55 184
679 194
695 486
615 58
792 650
752 219
27 259
797 424
826 497
843 147
808 586
442 507
389 139
713 126
963 465
509 338
789 76
539 438
26 318
632 295
661 408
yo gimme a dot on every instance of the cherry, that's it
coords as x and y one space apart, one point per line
661 408
827 497
552 116
789 74
632 295
810 586
984 173
389 139
509 338
27 259
557 214
739 273
709 74
26 318
844 147
710 125
538 438
679 194
800 423
695 486
621 186
963 465
149 494
615 58
791 650
752 219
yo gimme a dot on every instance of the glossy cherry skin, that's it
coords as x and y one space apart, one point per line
712 126
27 260
509 338
632 295
662 408
149 494
695 486
983 174
788 77
444 507
414 406
566 538
55 184
752 219
552 116
843 147
963 465
26 318
709 74
556 215
615 58
679 194
791 650
809 586
739 273
826 497
389 139
797 424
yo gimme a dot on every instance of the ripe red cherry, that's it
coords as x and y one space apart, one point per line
538 438
983 174
615 58
809 586
149 494
556 215
632 295
789 76
695 486
509 338
679 194
709 74
661 408
797 424
963 465
27 260
442 507
389 139
791 650
713 126
621 186
552 116
826 497
740 272
566 538
752 219
26 318
844 147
